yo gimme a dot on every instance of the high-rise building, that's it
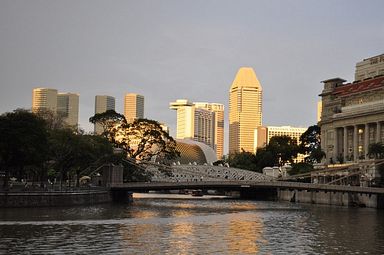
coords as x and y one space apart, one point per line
103 103
133 107
218 109
68 107
245 110
194 123
44 99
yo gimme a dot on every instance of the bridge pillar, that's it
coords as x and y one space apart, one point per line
112 174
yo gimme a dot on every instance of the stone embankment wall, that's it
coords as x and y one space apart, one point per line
331 198
46 199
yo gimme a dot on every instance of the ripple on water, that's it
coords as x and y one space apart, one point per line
206 226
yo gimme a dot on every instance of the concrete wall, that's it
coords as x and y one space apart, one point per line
330 198
45 199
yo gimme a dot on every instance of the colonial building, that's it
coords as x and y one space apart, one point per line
352 114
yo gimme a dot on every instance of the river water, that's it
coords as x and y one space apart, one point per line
181 224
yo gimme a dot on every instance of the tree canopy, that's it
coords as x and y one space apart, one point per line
310 145
23 142
142 139
280 150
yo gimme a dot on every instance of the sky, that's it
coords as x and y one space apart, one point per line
172 49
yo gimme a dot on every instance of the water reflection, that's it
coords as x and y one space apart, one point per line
244 234
168 225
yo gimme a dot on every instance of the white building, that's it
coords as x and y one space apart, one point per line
194 123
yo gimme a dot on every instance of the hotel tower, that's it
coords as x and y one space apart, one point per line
245 111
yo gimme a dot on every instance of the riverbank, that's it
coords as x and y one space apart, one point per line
53 199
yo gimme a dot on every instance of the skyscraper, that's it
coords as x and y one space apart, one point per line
218 109
245 110
133 107
44 99
103 103
194 123
68 107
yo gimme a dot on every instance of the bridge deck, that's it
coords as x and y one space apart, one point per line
235 185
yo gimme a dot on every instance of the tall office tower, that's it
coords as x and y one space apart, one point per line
194 123
133 107
68 107
245 110
218 109
102 104
44 99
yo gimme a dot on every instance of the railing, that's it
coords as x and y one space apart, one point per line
246 184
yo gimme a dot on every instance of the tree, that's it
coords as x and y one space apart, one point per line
310 145
243 160
72 152
376 150
23 142
52 119
264 158
144 139
283 149
111 122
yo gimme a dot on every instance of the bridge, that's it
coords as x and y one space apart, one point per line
241 185
251 185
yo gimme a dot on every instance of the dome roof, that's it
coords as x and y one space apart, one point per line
192 151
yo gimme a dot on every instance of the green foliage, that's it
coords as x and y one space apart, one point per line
283 149
376 150
23 142
310 145
264 158
72 152
243 160
52 120
111 122
280 150
142 139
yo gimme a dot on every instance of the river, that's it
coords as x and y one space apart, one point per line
181 224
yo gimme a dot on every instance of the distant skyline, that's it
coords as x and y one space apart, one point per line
166 50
